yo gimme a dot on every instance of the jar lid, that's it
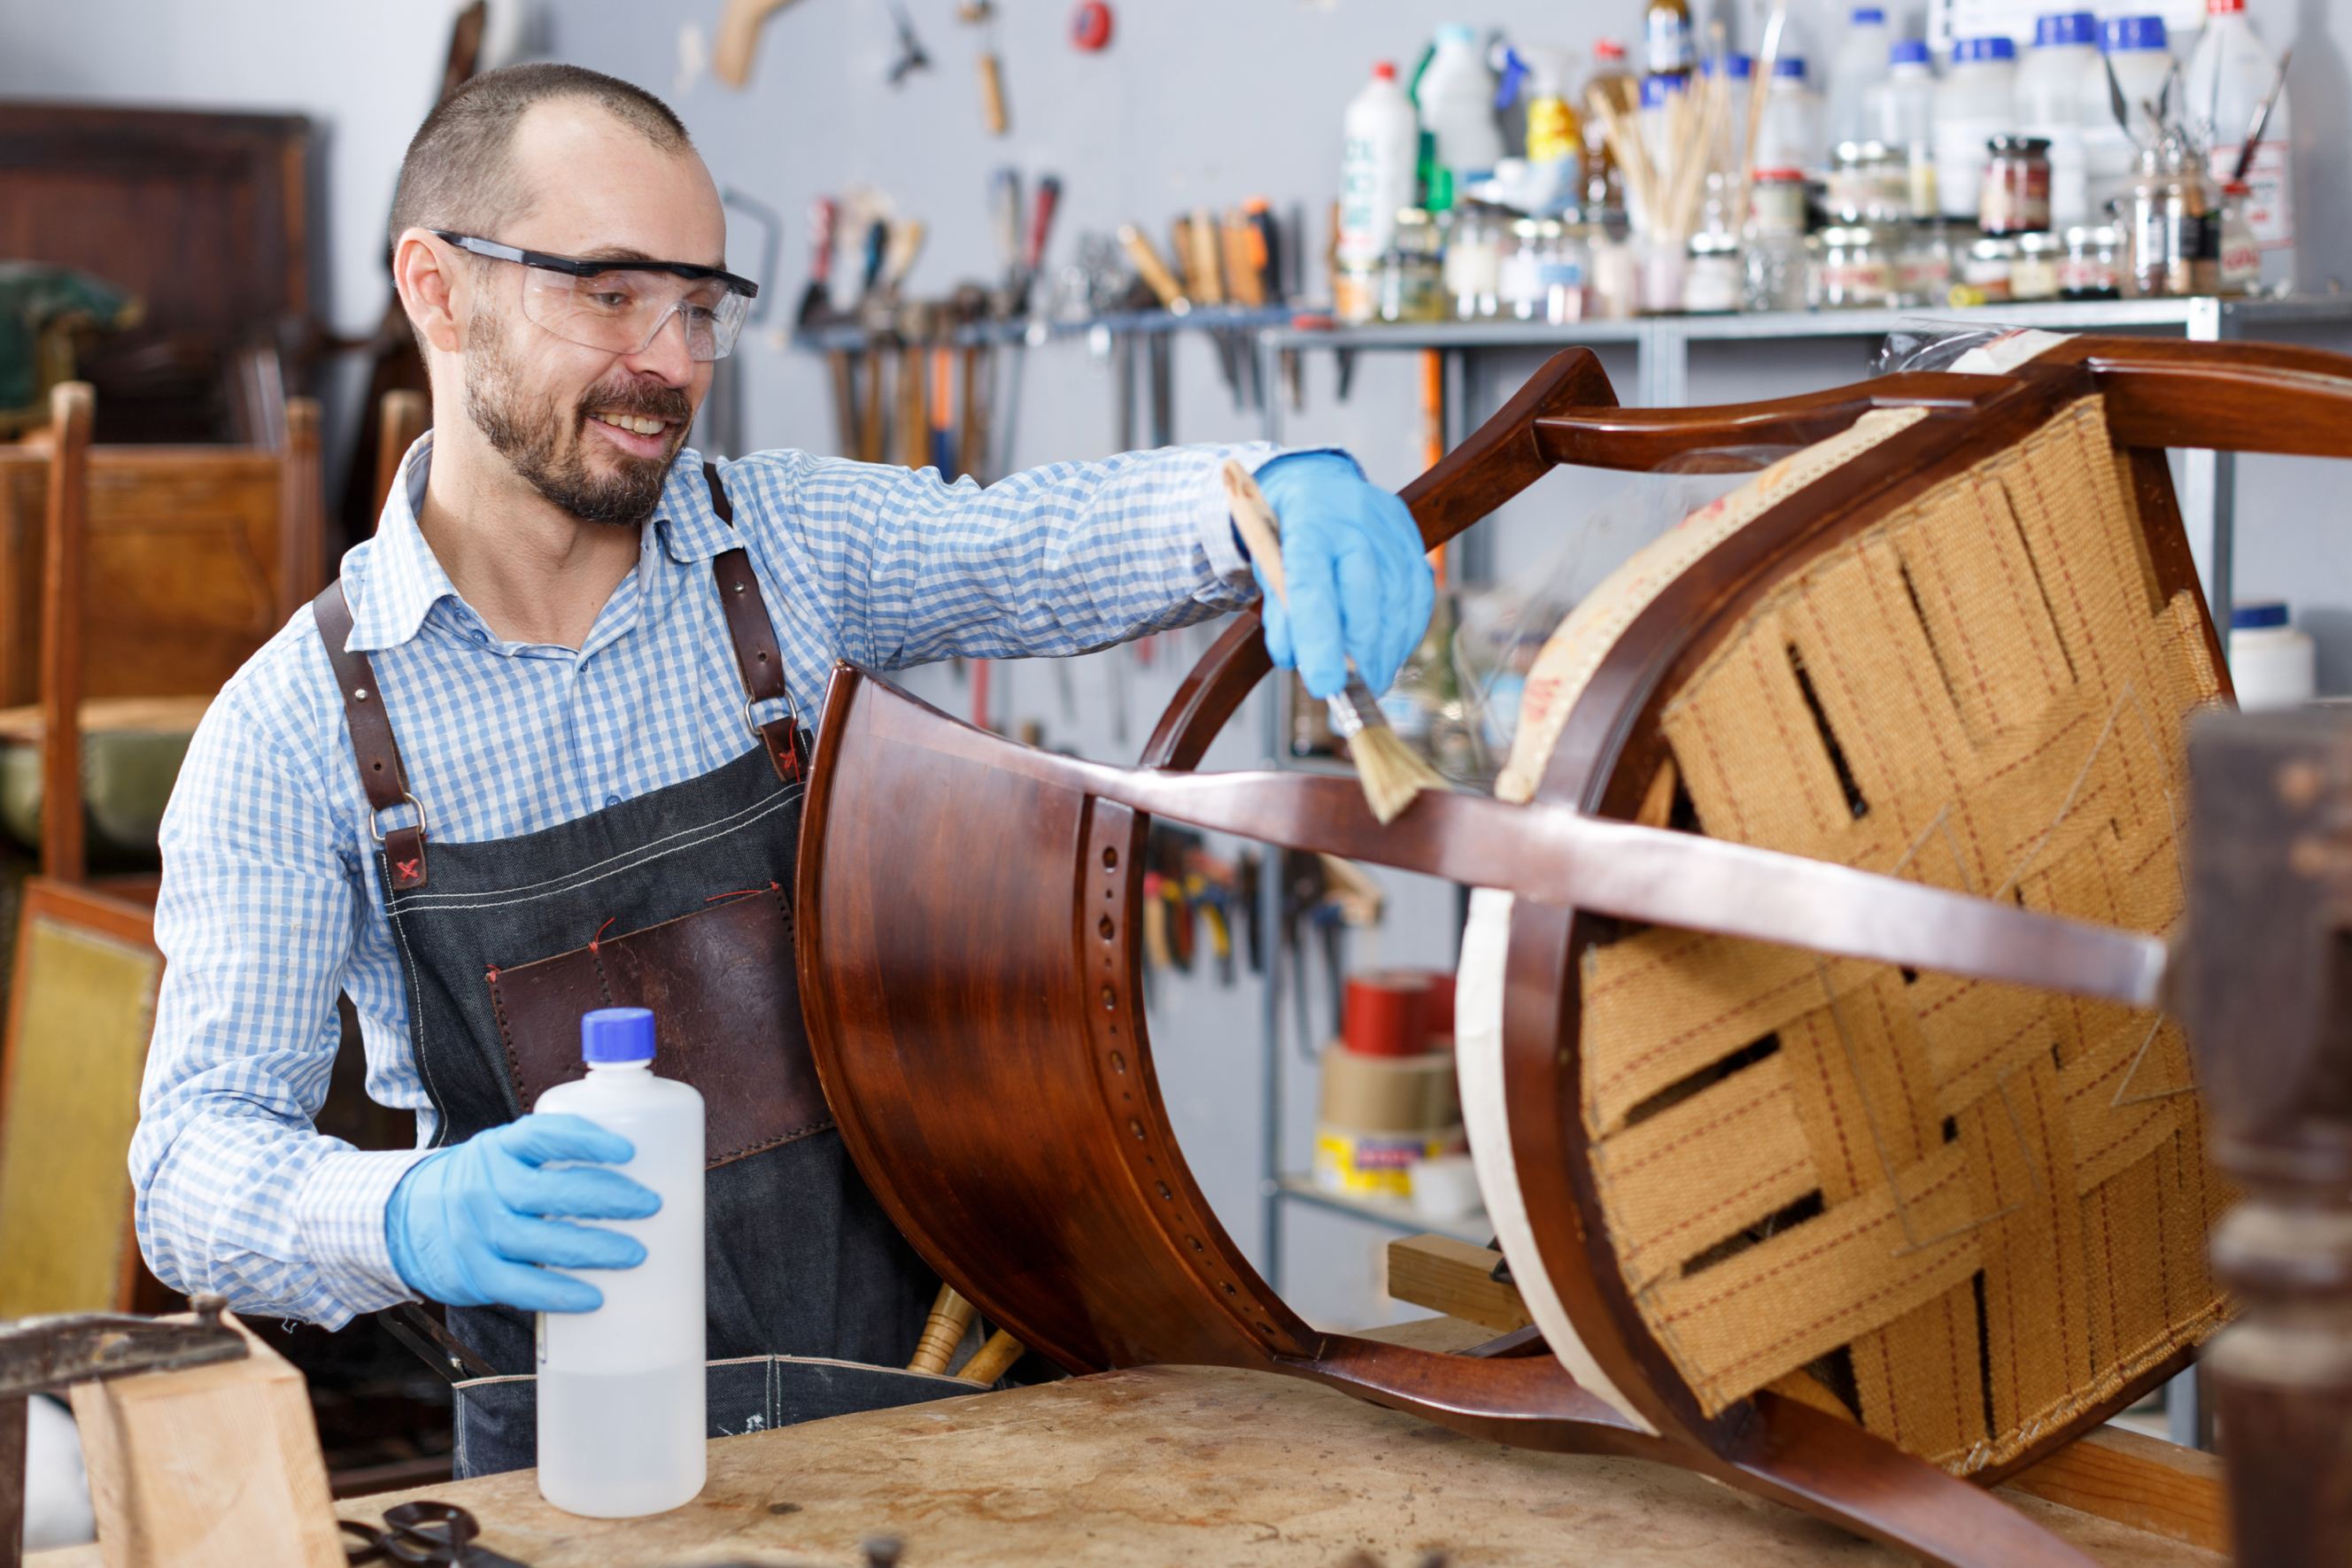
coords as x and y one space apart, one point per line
2123 34
1850 234
2059 29
1714 242
2021 146
2259 616
1779 176
1992 48
2083 234
1527 228
2038 244
1993 248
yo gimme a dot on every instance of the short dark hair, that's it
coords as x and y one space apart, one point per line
458 174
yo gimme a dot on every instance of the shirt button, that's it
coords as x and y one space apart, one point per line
612 799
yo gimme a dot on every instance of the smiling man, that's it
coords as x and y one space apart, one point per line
539 751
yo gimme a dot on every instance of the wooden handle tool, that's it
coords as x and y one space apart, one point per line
1152 270
990 1360
944 1330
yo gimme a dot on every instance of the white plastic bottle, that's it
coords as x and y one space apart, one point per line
1902 116
1379 164
2049 105
1975 103
621 1416
2133 46
2229 74
1788 135
1456 95
1856 68
2271 664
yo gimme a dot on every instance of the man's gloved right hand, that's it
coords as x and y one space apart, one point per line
466 1223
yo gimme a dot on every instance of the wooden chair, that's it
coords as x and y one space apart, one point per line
192 557
1810 1061
403 416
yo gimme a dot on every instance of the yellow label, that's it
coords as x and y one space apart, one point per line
1374 1165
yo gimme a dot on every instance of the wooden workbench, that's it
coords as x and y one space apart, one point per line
1182 1466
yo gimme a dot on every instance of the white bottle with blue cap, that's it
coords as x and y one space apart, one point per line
621 1420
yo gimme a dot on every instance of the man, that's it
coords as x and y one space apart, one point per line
538 749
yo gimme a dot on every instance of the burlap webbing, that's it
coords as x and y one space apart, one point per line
1980 692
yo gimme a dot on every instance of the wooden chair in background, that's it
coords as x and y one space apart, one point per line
160 570
402 418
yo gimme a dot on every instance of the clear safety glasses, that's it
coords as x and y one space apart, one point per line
621 306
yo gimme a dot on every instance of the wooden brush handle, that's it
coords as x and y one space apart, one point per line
942 1331
1261 532
989 1361
992 94
1149 267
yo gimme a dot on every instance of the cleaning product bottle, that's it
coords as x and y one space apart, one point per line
1555 132
1611 80
1975 103
2135 48
1378 174
2049 105
1903 117
1859 65
1667 24
621 1413
1456 96
2229 74
1788 135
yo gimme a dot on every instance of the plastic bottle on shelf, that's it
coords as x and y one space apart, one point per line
2228 76
2134 48
1857 70
1604 184
1666 25
2271 664
1790 134
1901 115
1378 173
1739 75
1555 133
1975 103
621 1415
2049 105
1456 97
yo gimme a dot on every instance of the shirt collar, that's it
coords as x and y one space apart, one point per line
402 580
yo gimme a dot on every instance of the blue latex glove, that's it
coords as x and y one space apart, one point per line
465 1224
1361 587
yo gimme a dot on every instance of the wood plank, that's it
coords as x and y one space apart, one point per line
2141 1481
1455 1277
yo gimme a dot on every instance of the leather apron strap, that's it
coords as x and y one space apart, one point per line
381 774
753 632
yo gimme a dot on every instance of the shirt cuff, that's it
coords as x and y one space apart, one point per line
1218 541
340 1211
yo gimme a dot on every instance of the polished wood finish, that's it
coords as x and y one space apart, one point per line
64 594
404 414
2265 990
204 216
1071 1218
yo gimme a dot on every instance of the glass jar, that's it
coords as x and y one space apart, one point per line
2240 267
1356 293
2174 248
1985 272
1851 270
1518 288
1776 204
2034 275
1563 274
2090 268
1868 184
1473 261
1411 282
2016 193
1923 266
1715 278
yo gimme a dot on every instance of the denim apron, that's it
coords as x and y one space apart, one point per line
679 900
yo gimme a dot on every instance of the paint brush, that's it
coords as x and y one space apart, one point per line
1390 771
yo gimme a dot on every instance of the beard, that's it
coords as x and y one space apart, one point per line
548 446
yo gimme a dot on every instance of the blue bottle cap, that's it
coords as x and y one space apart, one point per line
1969 50
1738 67
2121 34
1869 16
2058 29
1657 90
2258 616
616 1034
1789 65
1907 52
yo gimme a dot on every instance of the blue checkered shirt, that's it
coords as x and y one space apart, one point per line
270 903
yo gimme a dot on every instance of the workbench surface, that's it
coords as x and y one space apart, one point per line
1183 1466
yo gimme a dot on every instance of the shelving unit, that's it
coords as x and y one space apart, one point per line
1662 346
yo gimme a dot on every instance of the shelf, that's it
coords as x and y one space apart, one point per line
1039 330
1396 1216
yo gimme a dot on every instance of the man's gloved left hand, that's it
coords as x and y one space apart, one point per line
1361 588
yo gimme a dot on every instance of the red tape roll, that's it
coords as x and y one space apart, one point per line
1387 1013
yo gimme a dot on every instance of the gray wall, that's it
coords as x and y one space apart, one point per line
1197 102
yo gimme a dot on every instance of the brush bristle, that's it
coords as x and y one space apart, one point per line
1391 772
